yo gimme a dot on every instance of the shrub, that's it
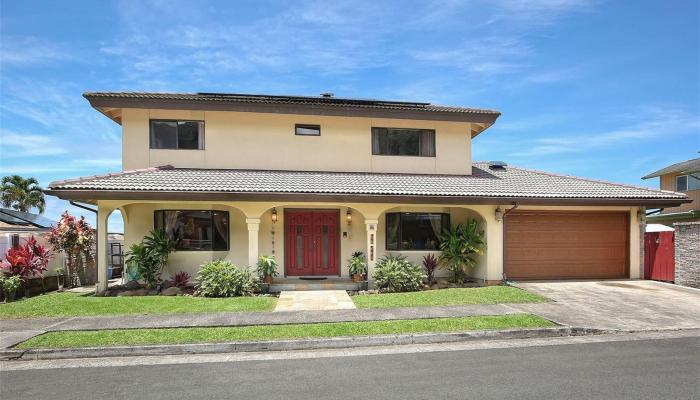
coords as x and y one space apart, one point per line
396 274
222 278
180 280
430 263
267 266
357 264
28 261
460 245
10 284
150 256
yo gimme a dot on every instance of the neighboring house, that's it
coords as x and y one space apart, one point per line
16 227
681 177
314 179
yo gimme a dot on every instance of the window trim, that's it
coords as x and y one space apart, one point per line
306 126
375 151
150 133
444 216
686 183
228 218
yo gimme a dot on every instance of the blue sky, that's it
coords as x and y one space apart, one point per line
601 89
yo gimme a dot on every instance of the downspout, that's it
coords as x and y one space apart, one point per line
503 220
97 223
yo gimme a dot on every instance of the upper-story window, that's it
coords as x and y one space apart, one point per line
307 130
688 182
177 135
403 142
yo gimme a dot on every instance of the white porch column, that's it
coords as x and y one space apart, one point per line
371 225
102 247
253 233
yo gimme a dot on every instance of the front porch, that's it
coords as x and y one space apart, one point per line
256 228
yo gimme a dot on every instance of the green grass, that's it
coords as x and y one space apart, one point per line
74 304
270 332
448 297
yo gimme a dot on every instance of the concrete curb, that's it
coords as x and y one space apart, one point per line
300 344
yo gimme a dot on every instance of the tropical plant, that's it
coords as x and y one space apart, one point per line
267 266
357 264
222 278
180 280
22 194
394 273
150 256
460 246
76 238
10 285
28 261
430 264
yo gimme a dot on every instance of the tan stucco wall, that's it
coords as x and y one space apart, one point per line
267 141
138 220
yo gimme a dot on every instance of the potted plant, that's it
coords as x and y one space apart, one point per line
357 265
10 285
60 278
267 268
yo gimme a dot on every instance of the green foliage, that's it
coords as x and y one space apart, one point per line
150 256
22 194
10 284
267 266
460 246
396 274
357 263
222 278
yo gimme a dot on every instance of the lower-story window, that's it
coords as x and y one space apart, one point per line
415 231
195 229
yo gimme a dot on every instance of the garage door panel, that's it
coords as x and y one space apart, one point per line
566 245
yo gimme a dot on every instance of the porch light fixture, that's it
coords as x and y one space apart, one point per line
348 216
499 213
274 215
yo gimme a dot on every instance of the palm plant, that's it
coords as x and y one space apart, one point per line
150 256
460 246
22 194
267 268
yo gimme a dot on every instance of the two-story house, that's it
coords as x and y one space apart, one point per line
683 177
313 179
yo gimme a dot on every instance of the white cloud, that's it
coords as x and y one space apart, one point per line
26 50
18 145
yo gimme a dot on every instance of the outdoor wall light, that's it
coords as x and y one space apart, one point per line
274 215
348 216
499 213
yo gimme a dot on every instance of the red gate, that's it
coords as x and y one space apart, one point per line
659 253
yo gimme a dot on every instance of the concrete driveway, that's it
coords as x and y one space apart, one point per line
624 304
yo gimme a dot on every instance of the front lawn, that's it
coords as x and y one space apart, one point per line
79 305
271 332
448 297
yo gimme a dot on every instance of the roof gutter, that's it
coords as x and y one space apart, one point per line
93 195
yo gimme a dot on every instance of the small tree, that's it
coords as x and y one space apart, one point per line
76 238
22 194
460 245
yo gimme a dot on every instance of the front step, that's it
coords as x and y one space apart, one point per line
296 284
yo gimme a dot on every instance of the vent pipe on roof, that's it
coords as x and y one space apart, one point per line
497 165
327 95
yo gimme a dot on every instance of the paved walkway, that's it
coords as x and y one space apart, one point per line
628 305
309 300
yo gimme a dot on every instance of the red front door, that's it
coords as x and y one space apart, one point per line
311 244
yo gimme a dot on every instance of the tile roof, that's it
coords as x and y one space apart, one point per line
692 165
510 182
298 100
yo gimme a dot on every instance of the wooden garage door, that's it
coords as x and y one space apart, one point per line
566 245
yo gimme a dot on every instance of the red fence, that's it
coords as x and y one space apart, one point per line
659 256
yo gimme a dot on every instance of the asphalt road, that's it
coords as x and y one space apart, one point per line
643 369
